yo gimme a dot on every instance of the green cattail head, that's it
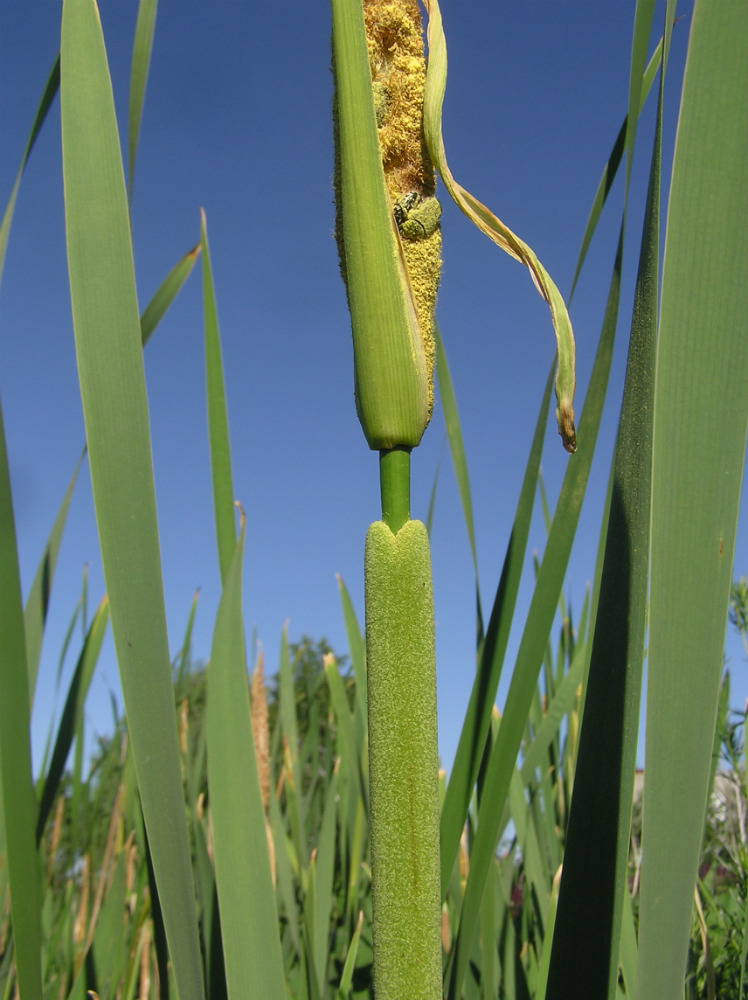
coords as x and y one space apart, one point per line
403 763
387 224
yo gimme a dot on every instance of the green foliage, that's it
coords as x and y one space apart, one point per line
137 891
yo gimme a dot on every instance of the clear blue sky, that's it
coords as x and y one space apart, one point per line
237 120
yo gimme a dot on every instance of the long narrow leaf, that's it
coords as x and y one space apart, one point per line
166 293
71 713
110 368
16 788
249 927
477 720
37 602
700 422
534 640
218 424
48 95
141 60
586 941
457 451
611 167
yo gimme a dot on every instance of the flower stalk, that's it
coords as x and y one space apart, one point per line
389 243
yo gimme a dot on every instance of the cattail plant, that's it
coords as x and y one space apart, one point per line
387 130
389 240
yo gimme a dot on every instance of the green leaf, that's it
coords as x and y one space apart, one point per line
249 921
70 720
48 95
166 293
477 721
350 755
358 657
700 423
533 644
390 370
16 788
110 368
37 602
323 883
218 423
141 60
459 462
593 883
623 141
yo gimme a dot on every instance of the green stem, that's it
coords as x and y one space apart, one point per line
394 485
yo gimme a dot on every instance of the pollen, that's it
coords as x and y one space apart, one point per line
395 43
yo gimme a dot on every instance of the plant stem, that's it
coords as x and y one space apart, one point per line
394 485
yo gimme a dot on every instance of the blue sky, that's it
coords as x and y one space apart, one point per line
237 121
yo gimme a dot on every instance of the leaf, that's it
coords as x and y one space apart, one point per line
700 424
249 921
488 223
141 59
110 368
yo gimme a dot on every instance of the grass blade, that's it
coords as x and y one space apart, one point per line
351 755
110 368
700 421
477 720
50 89
249 922
586 941
18 799
610 169
358 657
141 59
71 713
218 423
166 293
534 641
457 451
37 602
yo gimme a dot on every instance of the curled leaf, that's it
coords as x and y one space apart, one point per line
488 223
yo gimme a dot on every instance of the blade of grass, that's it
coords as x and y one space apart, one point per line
141 60
37 602
700 422
323 884
294 784
432 499
643 17
71 713
585 952
346 978
534 640
477 720
249 923
48 95
16 787
284 874
351 756
358 657
563 702
611 167
218 424
459 463
628 948
166 293
110 366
